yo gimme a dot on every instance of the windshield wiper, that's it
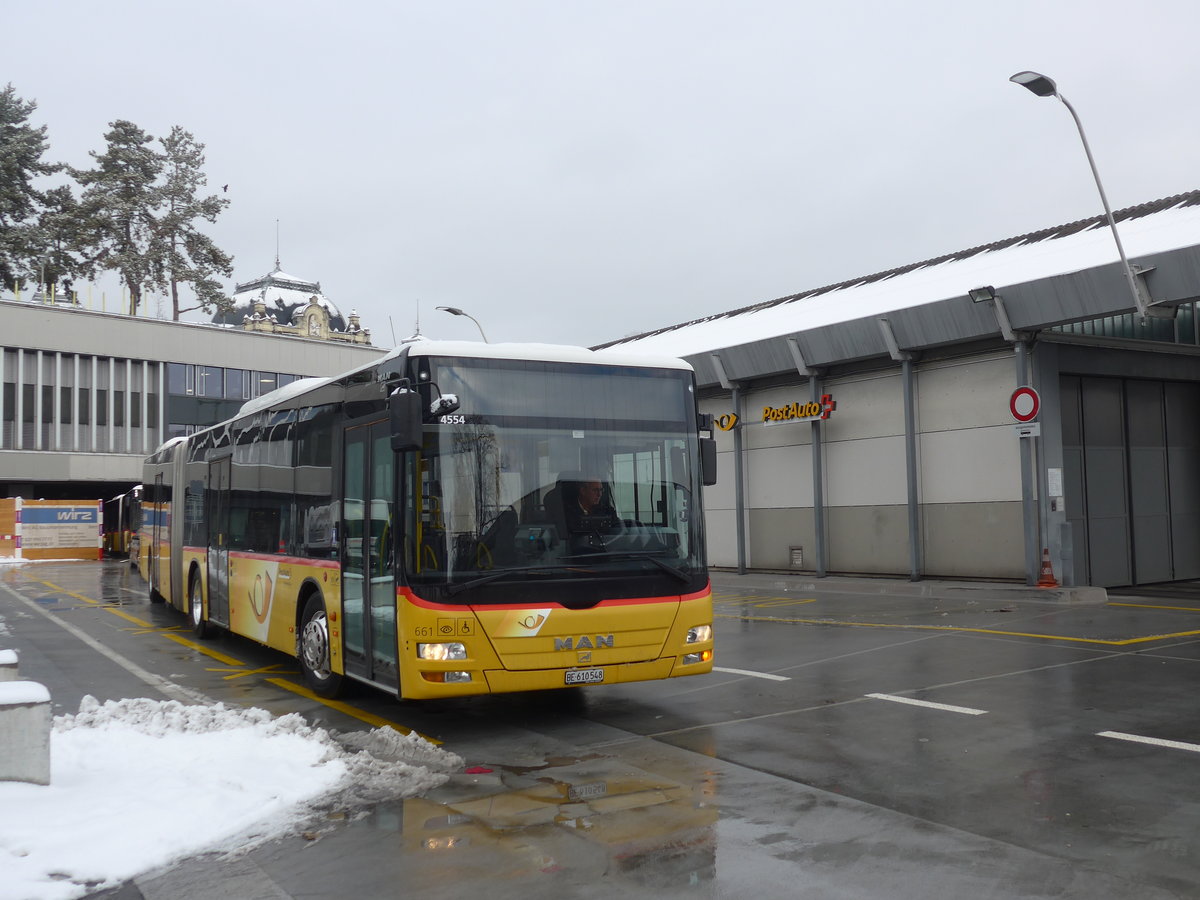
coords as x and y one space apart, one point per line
648 556
504 573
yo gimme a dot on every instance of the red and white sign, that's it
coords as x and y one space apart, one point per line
1024 404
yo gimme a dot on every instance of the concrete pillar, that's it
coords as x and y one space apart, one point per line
24 732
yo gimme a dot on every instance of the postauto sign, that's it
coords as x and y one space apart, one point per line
799 412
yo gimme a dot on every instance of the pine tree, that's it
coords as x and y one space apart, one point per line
60 241
118 207
185 255
21 150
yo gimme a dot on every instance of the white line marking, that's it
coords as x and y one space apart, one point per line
1157 742
765 675
168 688
965 710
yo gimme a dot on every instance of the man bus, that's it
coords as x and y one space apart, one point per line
406 524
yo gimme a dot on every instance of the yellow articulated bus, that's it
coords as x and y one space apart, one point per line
122 524
456 518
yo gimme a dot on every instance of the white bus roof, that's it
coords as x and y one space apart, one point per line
479 350
542 352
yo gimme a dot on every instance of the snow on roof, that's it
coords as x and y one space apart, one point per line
1149 228
546 352
294 389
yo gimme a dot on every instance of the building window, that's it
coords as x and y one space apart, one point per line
210 381
237 384
181 379
264 383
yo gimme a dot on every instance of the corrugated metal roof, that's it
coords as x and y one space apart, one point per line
1044 236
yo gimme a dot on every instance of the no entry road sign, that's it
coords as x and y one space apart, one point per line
1024 404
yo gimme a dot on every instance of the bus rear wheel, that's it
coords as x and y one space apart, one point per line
314 650
200 627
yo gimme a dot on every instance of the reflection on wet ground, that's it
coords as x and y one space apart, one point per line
589 818
997 776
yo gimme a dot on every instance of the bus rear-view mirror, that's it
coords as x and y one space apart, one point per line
404 410
708 460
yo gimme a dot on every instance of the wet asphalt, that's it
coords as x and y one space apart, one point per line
1053 750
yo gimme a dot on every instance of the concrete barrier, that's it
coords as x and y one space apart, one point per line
8 665
24 732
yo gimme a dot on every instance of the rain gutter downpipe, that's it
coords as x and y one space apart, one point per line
905 358
739 486
818 473
1031 468
1028 499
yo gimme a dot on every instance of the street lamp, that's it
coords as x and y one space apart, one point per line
1044 86
455 311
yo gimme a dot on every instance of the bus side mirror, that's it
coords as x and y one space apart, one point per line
708 460
404 410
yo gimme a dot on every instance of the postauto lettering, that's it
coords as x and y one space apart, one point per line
800 411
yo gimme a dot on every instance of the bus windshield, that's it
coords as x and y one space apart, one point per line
552 474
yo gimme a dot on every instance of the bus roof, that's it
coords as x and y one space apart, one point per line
541 352
476 350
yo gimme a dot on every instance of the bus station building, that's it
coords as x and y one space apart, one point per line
1010 411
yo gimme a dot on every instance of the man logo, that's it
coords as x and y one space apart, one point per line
726 422
584 643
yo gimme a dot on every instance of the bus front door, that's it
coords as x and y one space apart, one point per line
368 564
217 516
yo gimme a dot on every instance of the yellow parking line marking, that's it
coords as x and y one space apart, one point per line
200 648
1195 609
957 628
154 629
772 602
134 619
242 673
63 590
345 708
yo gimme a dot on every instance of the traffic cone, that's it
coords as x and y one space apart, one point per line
1047 579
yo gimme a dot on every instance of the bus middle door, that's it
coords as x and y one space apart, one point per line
158 534
218 540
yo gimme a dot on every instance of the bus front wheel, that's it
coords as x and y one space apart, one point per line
314 649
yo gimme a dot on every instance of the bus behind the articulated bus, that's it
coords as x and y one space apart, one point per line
456 518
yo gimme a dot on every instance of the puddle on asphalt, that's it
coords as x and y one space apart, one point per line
589 815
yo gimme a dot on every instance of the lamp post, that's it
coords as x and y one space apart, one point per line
455 311
1044 86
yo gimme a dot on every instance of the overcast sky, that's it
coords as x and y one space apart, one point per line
576 171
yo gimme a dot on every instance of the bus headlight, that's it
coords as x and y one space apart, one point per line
699 633
439 652
702 656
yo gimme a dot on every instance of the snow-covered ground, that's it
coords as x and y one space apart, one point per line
137 784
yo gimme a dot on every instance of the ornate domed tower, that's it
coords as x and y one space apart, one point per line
279 303
282 297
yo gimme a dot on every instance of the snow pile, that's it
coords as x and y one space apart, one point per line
137 784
